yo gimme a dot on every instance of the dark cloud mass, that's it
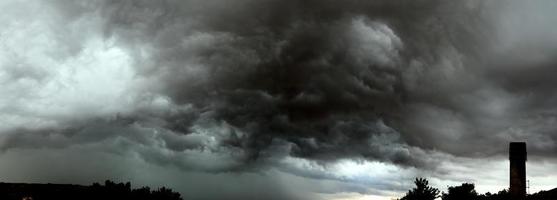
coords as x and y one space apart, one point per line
254 85
317 75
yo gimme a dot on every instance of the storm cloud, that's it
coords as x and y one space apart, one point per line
262 90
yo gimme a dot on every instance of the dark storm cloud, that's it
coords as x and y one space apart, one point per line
227 86
496 93
320 77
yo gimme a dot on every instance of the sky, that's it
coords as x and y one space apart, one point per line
278 99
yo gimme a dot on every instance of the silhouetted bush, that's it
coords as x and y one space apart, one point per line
466 191
501 195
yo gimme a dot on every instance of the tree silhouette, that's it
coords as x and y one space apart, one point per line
543 195
466 191
109 191
422 191
501 195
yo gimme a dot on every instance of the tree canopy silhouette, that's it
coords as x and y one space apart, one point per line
108 191
466 191
422 191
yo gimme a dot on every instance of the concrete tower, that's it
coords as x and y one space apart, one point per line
517 157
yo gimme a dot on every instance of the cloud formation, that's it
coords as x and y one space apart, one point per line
284 88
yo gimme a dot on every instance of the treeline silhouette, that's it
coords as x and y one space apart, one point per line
108 191
466 191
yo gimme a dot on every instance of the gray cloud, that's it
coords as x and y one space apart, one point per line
213 87
325 78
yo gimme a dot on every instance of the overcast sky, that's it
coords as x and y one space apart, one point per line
277 99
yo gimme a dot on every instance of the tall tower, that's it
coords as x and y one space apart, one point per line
517 157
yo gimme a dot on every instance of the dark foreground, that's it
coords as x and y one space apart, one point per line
123 191
467 191
108 191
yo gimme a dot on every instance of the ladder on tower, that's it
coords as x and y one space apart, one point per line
527 187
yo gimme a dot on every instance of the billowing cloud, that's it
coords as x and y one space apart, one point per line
312 92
